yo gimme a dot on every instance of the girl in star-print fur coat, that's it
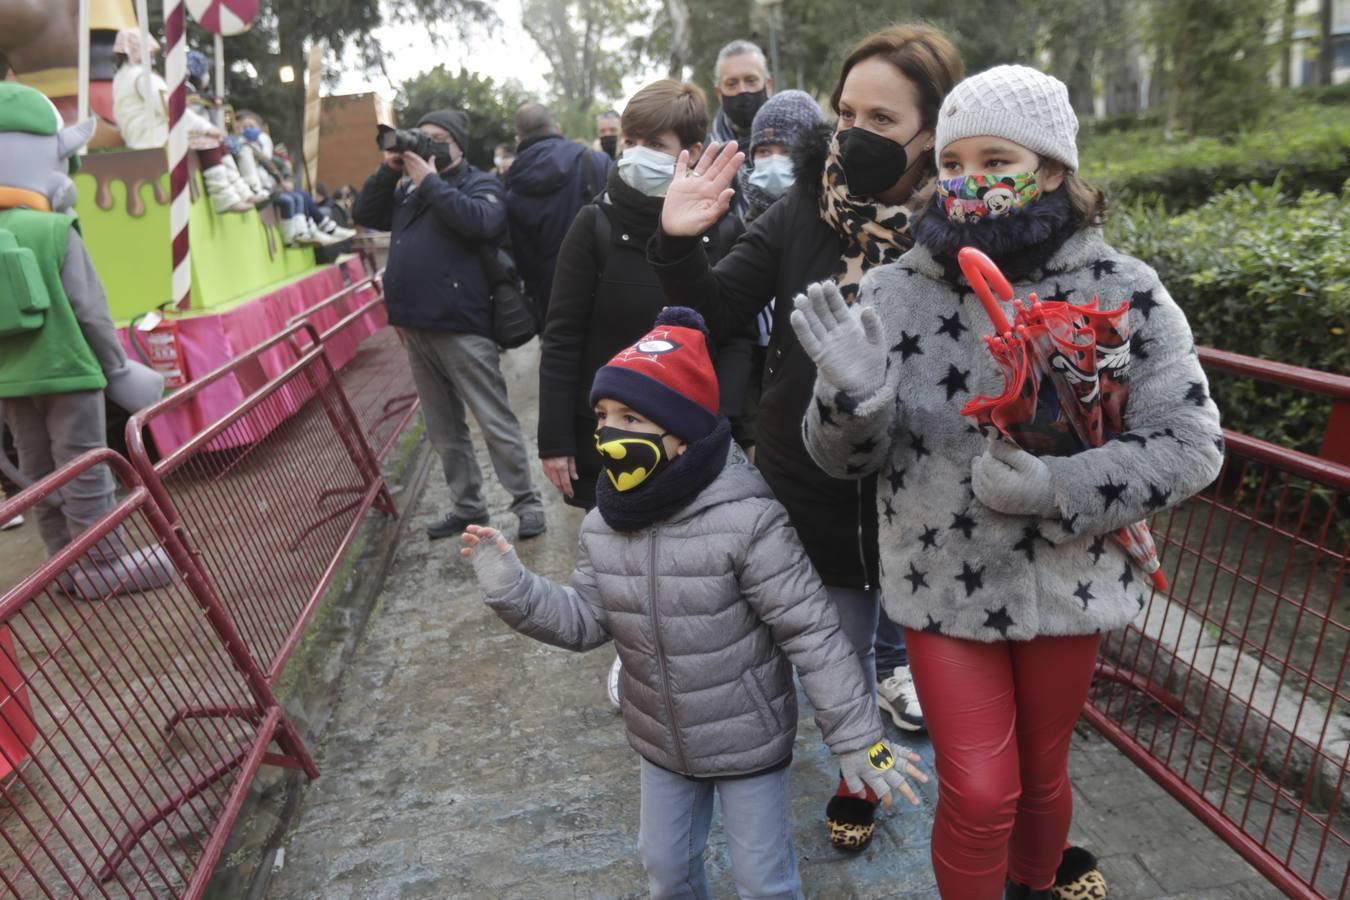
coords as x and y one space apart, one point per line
999 564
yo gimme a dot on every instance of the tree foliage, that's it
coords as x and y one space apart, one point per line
581 39
491 106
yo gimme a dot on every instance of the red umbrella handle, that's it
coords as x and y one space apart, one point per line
981 272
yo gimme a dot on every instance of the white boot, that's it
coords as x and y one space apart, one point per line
315 235
291 229
220 188
336 231
243 188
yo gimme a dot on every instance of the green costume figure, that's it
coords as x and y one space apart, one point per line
59 352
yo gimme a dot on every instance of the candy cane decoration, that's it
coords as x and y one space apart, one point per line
175 73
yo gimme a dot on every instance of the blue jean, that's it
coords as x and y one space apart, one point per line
890 647
858 609
677 815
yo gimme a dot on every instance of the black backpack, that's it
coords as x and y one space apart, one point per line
513 318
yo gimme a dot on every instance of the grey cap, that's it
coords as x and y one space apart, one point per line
782 117
1018 103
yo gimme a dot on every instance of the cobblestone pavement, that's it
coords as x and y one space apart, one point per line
464 760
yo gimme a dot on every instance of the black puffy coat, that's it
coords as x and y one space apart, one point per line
434 279
784 250
603 300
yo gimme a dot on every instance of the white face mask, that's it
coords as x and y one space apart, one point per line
772 175
646 170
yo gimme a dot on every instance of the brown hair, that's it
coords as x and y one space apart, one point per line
922 53
667 105
1087 200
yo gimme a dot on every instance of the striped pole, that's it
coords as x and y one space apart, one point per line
175 74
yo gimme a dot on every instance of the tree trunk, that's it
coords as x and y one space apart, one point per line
1326 53
1287 43
678 10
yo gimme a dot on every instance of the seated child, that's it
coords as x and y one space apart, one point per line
689 564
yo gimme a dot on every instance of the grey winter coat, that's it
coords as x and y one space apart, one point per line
709 610
950 564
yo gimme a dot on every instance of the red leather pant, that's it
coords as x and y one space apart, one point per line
1001 717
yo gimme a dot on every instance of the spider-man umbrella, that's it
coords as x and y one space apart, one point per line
1066 378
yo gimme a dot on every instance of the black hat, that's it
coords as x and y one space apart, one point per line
452 120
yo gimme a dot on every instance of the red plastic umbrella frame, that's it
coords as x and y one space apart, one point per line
1082 353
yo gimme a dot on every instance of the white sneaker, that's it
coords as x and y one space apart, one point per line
12 523
612 683
898 697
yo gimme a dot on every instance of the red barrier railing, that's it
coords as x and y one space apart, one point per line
252 495
1231 689
112 781
374 373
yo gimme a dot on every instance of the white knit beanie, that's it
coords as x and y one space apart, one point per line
1014 102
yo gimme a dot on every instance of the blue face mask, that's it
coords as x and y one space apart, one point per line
252 133
772 175
647 171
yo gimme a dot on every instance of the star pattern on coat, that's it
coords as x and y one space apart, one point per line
864 447
962 523
916 579
897 480
1143 302
844 403
1084 593
824 412
1098 548
1102 267
1157 498
917 445
955 381
1137 344
999 620
888 510
1069 523
1126 577
933 626
1059 295
1131 438
1111 493
1030 535
1195 393
908 346
929 538
972 578
952 326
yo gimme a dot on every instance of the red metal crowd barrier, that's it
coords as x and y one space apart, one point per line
1231 689
113 781
253 495
374 372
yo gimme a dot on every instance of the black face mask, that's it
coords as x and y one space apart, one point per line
741 108
610 144
631 457
872 163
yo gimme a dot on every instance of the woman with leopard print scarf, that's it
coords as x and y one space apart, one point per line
847 211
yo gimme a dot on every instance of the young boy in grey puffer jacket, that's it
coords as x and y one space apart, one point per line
999 564
689 564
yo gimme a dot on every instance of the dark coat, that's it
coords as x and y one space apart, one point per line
434 279
784 250
595 313
544 190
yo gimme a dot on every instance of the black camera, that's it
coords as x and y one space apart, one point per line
402 140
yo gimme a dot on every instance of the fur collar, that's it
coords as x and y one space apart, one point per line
808 159
1082 247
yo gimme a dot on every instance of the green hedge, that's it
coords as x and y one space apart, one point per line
1260 273
1305 147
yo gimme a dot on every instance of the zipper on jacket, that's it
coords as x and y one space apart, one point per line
661 658
862 555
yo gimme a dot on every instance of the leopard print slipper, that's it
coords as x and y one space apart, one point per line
1078 877
852 821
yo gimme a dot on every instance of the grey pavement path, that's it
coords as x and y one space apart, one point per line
464 760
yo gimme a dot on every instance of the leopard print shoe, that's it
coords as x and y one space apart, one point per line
1078 877
851 819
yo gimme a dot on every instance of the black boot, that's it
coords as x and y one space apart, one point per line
1014 891
1078 878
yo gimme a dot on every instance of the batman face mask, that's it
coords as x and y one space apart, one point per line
631 457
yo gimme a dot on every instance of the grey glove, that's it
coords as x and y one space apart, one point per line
846 343
881 767
494 563
1010 480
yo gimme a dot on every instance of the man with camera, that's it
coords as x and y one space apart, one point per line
440 212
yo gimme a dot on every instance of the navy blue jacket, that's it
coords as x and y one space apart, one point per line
434 279
544 193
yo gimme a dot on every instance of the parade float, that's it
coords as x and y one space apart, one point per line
190 288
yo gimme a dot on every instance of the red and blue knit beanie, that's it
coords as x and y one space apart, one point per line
667 376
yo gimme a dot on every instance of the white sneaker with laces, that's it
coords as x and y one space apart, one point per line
898 697
612 683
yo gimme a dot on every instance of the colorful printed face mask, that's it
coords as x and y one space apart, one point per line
974 198
631 457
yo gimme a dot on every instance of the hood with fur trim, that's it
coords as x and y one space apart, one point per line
808 158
